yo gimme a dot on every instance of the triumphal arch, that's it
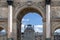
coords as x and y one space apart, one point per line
49 10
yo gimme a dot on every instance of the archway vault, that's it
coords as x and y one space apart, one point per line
1 28
21 14
55 27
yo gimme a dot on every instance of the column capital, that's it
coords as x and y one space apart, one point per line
10 2
48 1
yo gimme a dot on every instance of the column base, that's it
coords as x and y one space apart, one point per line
10 39
48 38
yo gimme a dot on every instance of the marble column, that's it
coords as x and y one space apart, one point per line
48 32
10 2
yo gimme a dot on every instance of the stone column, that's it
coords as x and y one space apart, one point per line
10 2
48 36
18 30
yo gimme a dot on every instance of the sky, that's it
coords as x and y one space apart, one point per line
33 19
37 28
58 30
3 32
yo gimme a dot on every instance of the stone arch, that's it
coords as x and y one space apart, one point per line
4 27
56 27
3 33
1 28
18 10
21 14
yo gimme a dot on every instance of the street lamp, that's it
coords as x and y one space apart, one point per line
10 12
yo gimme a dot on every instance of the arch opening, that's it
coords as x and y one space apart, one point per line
26 10
2 31
57 34
3 34
20 17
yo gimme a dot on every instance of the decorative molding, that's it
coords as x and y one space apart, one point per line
55 12
6 20
55 3
3 19
40 5
44 20
53 20
3 4
21 4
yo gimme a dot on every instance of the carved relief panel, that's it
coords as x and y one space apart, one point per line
3 12
55 11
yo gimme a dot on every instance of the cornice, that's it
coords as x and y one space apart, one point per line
42 3
53 20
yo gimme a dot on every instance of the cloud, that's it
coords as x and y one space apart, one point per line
37 28
3 31
22 25
22 28
58 30
25 19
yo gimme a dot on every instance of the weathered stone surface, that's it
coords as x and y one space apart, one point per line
20 5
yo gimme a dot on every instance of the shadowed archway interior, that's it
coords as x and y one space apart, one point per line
57 34
1 28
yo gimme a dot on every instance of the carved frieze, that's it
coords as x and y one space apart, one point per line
3 4
55 12
40 5
53 3
29 3
3 10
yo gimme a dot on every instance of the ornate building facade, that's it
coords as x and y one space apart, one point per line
29 33
21 7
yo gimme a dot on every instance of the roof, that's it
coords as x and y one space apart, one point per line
29 27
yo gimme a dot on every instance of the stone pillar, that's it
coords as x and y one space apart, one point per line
48 36
44 28
10 2
18 30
